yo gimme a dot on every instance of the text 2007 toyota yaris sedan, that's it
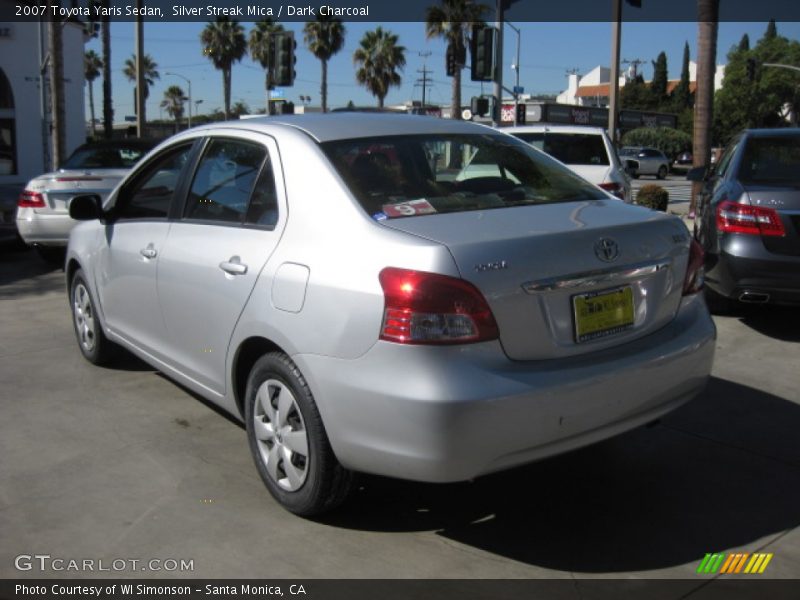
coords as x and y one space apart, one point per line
420 298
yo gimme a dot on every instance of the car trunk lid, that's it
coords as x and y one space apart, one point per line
59 188
537 266
785 200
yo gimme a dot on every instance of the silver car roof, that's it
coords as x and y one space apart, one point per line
340 126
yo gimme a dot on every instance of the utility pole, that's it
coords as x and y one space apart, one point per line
613 85
498 68
57 92
424 81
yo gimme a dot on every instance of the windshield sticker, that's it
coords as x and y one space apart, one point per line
379 216
409 208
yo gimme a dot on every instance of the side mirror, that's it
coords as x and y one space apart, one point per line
86 208
696 174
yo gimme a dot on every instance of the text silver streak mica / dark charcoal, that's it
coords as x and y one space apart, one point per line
414 297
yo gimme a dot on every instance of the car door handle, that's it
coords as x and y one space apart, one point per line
149 252
233 266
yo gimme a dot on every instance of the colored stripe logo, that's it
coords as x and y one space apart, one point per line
735 563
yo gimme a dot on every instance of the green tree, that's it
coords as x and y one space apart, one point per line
658 87
378 58
173 102
240 108
772 30
150 72
324 38
682 94
224 44
744 43
635 95
259 45
452 20
92 64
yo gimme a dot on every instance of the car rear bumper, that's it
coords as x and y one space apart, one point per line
42 228
745 267
454 413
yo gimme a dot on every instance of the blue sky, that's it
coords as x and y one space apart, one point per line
547 51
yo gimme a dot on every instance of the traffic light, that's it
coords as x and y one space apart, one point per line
482 53
450 61
283 72
479 105
521 113
751 69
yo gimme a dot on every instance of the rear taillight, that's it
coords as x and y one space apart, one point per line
614 188
29 199
733 217
427 308
695 271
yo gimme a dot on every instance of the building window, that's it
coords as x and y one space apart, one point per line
8 147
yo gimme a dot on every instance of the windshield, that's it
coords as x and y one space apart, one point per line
629 151
569 148
104 157
771 160
405 176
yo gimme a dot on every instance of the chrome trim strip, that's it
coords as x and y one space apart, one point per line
594 278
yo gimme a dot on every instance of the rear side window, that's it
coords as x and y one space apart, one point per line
771 159
404 176
570 148
224 180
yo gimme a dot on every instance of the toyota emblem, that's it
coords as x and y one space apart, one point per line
606 249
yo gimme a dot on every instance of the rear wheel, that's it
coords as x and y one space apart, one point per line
53 255
662 172
288 440
94 345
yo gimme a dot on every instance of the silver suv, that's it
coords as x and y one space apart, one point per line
648 161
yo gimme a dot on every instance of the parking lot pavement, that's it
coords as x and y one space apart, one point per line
121 463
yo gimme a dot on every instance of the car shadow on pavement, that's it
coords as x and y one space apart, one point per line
779 322
23 273
721 472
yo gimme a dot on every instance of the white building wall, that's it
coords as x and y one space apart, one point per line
20 59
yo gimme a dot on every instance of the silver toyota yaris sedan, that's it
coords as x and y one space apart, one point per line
414 297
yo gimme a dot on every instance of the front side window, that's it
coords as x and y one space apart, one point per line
404 176
150 194
224 180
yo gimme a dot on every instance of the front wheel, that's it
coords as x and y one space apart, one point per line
94 345
288 441
662 172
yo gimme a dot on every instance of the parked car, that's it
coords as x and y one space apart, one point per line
683 162
43 206
586 150
649 161
385 315
748 220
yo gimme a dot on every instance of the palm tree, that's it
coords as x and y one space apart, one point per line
92 63
259 44
108 108
324 38
173 102
707 24
452 21
379 58
150 72
224 44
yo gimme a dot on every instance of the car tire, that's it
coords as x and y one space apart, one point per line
52 255
662 172
94 345
635 175
288 441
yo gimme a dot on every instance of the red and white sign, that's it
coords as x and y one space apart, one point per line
408 209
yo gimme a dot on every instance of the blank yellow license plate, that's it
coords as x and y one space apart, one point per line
599 314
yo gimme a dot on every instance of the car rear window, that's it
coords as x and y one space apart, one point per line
771 159
405 176
104 157
569 148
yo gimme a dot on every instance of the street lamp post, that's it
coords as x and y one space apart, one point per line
515 66
189 83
